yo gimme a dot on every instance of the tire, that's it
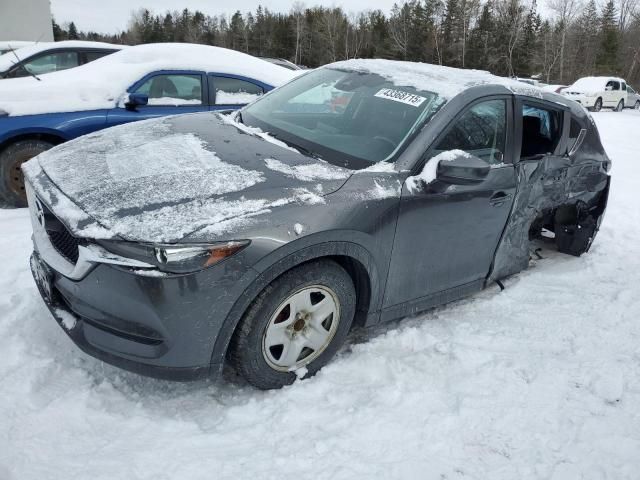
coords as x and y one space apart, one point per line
637 105
620 106
11 159
255 355
598 105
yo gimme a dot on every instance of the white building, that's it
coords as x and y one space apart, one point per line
25 20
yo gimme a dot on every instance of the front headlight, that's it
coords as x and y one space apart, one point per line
185 258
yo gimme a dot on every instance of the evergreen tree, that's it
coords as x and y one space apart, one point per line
607 59
73 32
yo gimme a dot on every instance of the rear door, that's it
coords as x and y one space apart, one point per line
169 92
447 234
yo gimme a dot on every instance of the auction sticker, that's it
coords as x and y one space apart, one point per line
400 96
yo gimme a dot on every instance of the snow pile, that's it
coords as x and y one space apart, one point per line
309 172
430 170
447 82
103 83
540 381
9 59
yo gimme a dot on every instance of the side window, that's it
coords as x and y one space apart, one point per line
52 62
613 84
624 86
541 130
233 91
91 56
173 90
480 131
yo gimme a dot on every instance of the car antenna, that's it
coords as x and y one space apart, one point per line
30 73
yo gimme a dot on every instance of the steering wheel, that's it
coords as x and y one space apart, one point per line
386 140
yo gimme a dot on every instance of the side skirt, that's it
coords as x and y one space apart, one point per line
430 301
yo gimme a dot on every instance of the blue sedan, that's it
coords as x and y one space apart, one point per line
134 84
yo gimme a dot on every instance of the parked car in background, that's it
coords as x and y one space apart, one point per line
282 63
553 88
633 99
13 45
42 58
174 245
134 84
596 93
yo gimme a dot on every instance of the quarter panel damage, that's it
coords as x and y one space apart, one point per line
566 195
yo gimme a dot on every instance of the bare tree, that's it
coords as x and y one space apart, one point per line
400 27
566 11
297 11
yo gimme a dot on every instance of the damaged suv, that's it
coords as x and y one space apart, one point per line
356 194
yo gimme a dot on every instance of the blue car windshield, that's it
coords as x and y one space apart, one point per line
348 118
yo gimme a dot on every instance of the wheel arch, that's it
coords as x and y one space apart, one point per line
51 136
355 259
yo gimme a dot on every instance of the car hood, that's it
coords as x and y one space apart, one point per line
160 180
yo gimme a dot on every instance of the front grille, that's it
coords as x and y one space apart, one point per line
61 239
64 243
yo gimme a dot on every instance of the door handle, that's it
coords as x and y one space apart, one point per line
499 198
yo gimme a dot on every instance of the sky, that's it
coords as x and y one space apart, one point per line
109 16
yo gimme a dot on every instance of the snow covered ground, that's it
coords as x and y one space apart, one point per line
541 381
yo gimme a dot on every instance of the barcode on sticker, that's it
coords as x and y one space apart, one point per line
400 96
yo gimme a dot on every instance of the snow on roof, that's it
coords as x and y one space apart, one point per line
103 82
9 59
591 84
447 82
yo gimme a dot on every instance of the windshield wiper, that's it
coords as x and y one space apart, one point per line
303 150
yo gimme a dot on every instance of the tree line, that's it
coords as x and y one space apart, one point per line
574 38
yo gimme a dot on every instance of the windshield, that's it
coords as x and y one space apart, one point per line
348 118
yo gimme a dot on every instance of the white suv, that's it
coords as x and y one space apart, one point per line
596 93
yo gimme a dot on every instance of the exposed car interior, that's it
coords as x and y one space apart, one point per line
541 131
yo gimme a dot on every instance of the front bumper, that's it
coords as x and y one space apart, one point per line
162 327
155 324
586 101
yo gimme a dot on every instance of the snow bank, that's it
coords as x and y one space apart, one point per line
9 59
103 83
447 82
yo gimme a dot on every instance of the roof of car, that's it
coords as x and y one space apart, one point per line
592 84
9 59
447 82
101 83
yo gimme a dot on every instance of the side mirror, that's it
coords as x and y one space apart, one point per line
462 170
608 88
136 100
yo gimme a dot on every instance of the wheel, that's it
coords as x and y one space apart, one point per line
637 105
620 106
11 159
598 105
298 322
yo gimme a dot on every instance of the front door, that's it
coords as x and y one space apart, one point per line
169 94
447 234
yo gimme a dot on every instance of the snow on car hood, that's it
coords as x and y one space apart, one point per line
162 179
102 84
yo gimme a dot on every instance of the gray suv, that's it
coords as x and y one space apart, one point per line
356 194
